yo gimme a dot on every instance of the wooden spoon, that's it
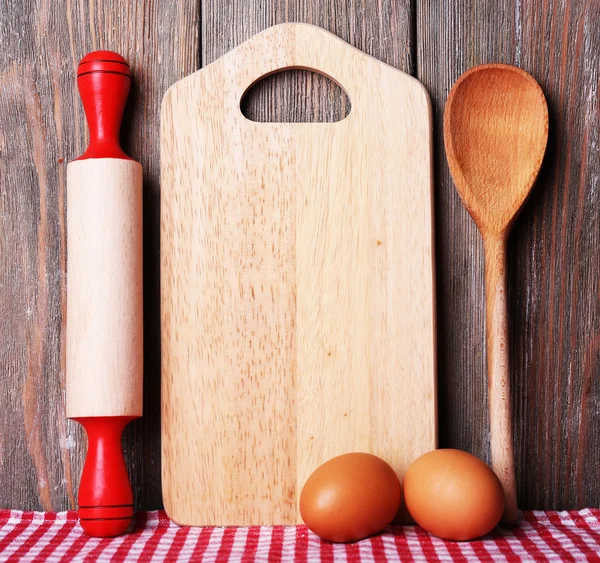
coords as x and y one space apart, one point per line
495 133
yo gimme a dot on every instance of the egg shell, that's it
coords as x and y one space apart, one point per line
453 495
350 497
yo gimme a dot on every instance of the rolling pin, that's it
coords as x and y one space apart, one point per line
104 345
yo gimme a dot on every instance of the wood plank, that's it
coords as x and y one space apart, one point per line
42 127
553 257
553 252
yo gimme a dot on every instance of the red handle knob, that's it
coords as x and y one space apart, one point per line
105 498
103 78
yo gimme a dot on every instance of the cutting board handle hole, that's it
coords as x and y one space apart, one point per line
295 96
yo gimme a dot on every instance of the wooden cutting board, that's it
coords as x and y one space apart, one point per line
297 281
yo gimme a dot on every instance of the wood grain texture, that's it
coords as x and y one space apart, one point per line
383 29
498 372
105 324
553 295
553 258
42 127
297 281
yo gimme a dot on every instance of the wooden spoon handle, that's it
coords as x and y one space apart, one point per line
498 372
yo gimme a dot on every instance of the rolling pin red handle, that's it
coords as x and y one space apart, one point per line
103 78
105 497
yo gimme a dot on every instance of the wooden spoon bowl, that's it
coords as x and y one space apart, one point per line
495 133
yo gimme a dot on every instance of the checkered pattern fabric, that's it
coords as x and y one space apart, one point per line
51 536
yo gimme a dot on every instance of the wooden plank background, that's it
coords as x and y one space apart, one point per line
554 252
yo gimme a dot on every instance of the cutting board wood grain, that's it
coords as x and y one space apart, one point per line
297 283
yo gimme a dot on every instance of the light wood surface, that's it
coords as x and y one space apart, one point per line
105 328
495 131
297 281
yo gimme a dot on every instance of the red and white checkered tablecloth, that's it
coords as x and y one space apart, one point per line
50 536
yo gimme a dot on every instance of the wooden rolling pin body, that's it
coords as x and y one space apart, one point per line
104 295
104 315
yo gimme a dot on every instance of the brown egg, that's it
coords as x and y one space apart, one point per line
453 495
350 497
